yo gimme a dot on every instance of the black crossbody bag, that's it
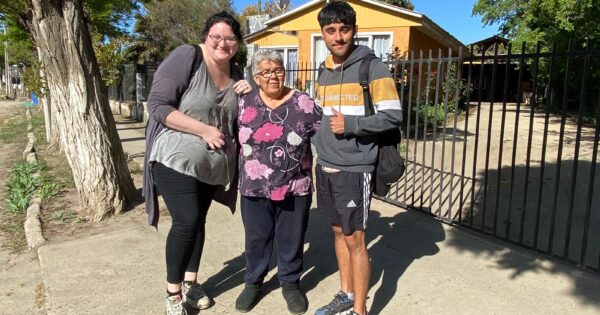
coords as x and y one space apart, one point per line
390 165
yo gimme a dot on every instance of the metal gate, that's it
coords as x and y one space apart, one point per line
502 143
506 144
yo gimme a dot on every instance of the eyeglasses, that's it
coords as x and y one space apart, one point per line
267 73
229 40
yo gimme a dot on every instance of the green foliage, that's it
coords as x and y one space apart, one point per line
107 22
20 47
425 106
171 23
109 18
406 4
429 112
109 56
33 80
550 21
49 188
23 184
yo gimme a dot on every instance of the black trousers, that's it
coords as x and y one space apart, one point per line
188 200
285 223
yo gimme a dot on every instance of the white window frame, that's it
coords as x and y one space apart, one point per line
368 35
285 58
285 51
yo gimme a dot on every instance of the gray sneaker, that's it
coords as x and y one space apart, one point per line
174 306
195 296
340 303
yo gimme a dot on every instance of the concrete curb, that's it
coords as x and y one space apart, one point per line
33 222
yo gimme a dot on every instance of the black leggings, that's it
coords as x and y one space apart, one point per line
188 200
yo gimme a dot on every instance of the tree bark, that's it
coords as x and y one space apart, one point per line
81 112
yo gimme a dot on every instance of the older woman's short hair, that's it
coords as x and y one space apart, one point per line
263 55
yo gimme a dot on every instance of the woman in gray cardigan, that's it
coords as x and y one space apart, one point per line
191 148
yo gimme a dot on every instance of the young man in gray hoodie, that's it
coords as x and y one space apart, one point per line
347 149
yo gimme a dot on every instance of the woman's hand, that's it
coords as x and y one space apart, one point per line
242 87
213 137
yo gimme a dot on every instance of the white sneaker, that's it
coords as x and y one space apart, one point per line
195 296
174 306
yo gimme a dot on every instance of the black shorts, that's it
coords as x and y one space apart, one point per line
345 197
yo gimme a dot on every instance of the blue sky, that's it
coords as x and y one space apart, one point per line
452 15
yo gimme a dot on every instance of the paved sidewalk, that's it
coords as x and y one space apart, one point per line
420 266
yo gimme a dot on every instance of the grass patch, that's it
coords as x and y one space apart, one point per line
12 229
15 130
65 216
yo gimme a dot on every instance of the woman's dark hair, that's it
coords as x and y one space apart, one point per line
222 17
337 12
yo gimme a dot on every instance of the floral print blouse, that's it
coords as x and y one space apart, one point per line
275 157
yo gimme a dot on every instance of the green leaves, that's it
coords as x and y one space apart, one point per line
406 4
23 184
550 21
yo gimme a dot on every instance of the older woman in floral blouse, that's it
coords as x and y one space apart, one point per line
275 126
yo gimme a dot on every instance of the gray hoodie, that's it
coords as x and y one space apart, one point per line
339 88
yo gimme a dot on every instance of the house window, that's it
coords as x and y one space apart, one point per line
290 61
380 43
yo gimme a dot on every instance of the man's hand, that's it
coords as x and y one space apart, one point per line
336 122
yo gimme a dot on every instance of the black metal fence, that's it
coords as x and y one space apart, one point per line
133 86
503 143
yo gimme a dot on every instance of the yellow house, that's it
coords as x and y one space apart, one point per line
382 27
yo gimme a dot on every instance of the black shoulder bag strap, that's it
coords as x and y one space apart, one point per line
363 77
321 69
391 137
196 63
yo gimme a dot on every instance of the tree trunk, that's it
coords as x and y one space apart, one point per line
83 119
51 135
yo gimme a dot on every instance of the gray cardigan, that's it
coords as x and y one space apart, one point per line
168 86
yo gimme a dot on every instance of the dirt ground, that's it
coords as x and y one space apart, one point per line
21 289
21 286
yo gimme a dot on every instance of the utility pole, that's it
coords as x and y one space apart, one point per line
6 66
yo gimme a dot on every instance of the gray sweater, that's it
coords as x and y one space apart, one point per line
173 89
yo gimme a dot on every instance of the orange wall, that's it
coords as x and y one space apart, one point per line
275 39
421 42
406 36
368 16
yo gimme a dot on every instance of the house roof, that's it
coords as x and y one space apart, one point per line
491 40
429 27
315 2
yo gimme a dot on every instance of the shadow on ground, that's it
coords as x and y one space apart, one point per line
552 210
394 243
